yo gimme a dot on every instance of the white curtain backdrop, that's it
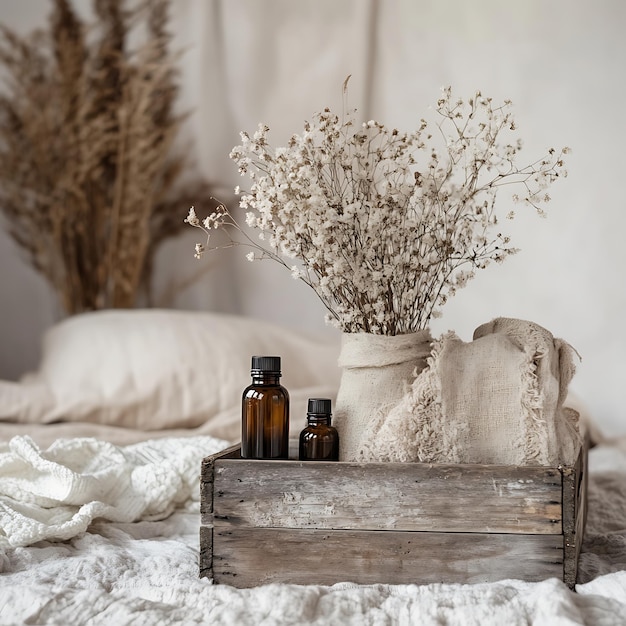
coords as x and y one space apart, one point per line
279 61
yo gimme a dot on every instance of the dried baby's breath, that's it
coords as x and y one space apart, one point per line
388 225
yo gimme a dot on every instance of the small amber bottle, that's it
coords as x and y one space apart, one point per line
265 412
319 441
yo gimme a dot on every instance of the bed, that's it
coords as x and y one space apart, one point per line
99 509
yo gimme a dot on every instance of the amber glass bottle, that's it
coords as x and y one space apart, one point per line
265 412
319 441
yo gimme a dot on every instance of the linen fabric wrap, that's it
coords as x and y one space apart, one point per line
498 399
376 373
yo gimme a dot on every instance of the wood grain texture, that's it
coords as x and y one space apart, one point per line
574 515
287 521
206 487
388 496
246 557
206 552
206 479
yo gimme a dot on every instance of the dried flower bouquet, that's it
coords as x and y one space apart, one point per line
89 183
385 225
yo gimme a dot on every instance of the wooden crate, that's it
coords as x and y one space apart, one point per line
323 523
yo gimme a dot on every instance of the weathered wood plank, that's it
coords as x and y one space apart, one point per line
569 524
574 515
246 557
581 502
206 487
232 452
206 552
206 479
388 496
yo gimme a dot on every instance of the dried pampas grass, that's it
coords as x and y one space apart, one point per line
89 185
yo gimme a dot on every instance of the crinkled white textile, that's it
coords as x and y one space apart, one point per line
146 573
57 493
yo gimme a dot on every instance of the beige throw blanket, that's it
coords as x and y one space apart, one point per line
495 400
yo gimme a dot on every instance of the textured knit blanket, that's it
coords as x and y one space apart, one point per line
57 493
145 572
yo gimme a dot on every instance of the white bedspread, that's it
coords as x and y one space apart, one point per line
146 572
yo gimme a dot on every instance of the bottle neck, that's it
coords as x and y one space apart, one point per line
318 420
265 378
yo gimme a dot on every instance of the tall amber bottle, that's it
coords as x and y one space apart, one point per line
319 441
265 412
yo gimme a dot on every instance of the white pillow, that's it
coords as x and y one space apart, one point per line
154 369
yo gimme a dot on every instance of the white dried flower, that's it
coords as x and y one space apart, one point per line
387 225
192 218
200 249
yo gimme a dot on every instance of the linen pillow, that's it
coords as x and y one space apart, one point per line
154 369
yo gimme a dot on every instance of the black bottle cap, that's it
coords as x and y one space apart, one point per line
266 364
319 406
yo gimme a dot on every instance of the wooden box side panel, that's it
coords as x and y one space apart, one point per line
231 549
250 557
574 515
387 496
207 468
206 552
206 507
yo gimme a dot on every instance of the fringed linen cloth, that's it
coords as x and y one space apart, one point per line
495 400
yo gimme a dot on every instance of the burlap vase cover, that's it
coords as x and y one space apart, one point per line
377 372
495 400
